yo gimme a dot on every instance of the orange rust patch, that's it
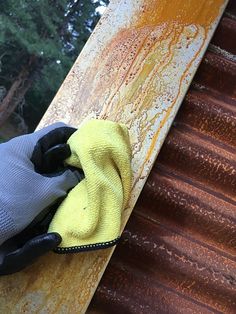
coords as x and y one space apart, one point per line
201 12
140 56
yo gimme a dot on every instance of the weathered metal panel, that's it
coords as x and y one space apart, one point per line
178 251
135 69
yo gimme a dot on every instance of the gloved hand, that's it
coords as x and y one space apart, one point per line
32 179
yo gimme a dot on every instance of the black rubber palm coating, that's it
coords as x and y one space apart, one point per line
54 157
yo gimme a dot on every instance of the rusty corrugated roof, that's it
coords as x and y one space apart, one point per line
177 253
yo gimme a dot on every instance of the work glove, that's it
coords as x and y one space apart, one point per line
33 178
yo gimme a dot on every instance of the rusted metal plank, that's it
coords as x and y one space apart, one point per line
135 69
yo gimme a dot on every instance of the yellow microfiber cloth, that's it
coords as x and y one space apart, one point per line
90 216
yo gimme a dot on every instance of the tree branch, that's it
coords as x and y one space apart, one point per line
72 11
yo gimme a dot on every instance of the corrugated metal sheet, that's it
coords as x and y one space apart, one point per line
177 253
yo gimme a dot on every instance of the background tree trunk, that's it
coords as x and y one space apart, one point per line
19 88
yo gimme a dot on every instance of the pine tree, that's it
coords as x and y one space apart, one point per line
39 41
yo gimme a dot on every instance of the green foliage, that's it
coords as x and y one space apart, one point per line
53 31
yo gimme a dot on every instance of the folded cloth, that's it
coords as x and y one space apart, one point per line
90 216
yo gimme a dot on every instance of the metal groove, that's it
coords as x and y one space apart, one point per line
225 32
189 209
209 116
203 161
223 80
178 251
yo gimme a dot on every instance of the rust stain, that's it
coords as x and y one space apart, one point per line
199 12
147 82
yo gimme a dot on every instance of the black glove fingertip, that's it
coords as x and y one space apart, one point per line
54 157
46 242
54 239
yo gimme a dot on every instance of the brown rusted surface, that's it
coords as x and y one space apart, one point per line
178 251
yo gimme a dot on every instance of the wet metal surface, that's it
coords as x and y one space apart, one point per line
178 251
